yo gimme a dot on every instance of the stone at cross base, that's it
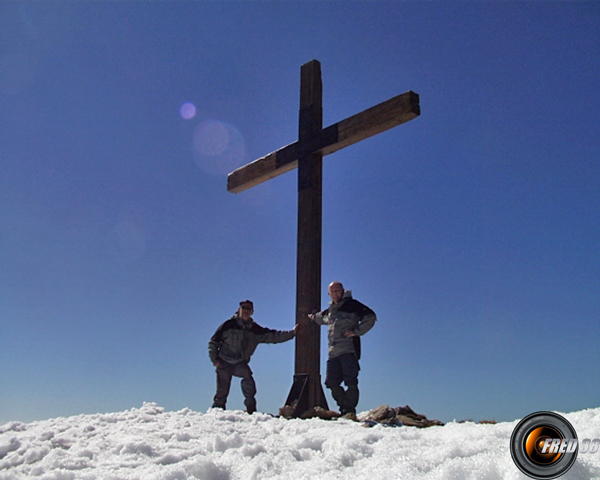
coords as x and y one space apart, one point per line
306 154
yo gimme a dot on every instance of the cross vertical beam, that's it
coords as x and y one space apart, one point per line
308 266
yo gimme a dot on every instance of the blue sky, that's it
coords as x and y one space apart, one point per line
472 231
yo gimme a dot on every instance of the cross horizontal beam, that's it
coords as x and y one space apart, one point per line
391 113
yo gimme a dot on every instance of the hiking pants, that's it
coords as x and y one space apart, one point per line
224 373
343 368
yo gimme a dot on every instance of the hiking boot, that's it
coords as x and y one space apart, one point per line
350 416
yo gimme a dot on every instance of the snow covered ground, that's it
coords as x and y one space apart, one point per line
151 444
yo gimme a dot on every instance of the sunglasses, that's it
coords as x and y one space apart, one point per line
249 309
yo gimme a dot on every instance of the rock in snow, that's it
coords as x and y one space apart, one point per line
399 416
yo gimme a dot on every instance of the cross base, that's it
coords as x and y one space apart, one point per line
299 397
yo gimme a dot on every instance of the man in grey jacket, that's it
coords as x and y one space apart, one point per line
346 319
231 347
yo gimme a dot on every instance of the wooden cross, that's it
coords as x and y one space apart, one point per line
307 155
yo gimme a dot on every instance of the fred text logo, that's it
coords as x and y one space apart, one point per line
559 445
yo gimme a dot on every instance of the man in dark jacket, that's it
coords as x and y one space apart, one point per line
231 347
346 319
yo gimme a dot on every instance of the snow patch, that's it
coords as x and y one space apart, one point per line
151 444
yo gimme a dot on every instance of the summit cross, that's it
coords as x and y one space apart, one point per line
306 154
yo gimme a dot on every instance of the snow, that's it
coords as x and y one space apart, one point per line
151 444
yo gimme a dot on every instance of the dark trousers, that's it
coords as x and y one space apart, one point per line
343 368
224 373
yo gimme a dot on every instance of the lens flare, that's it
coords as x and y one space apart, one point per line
187 111
218 147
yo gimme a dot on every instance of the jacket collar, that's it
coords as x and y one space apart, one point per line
346 296
241 322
